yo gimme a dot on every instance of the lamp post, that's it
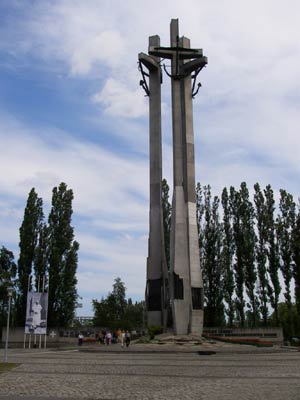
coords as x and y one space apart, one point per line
9 294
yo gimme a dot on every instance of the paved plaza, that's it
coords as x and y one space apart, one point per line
153 372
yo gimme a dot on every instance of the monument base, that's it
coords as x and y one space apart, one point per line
190 339
196 327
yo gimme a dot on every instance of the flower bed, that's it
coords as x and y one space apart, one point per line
249 341
89 339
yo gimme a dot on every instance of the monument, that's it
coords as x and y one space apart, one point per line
182 286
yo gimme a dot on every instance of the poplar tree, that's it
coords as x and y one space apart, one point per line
61 258
239 268
29 231
261 251
8 270
274 288
248 253
69 282
212 266
227 258
296 259
285 223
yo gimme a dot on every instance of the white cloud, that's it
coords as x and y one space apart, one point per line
119 100
10 216
30 158
252 48
105 48
79 34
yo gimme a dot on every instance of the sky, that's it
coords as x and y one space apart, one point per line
72 110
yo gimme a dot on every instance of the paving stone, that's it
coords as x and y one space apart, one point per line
242 373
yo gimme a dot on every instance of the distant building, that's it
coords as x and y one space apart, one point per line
84 320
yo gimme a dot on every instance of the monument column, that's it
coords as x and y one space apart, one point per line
179 264
186 287
196 283
156 261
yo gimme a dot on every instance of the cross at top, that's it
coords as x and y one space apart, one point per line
178 52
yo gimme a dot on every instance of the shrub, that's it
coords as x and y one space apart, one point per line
154 330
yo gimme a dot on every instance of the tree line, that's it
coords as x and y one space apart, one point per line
48 254
249 255
116 311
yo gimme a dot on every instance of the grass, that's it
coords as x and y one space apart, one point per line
4 367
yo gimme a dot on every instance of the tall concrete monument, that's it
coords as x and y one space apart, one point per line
182 286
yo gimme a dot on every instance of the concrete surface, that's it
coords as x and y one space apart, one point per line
153 372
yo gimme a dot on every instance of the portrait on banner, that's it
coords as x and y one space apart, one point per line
36 313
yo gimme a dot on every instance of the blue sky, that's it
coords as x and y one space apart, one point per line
72 110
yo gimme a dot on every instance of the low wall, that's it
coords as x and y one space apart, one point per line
54 337
274 335
58 336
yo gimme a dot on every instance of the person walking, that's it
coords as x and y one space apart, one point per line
100 337
108 338
127 338
122 337
80 339
119 334
114 337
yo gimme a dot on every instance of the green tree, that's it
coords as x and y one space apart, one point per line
119 298
227 257
29 231
110 312
261 251
285 224
61 258
284 316
134 315
296 259
248 254
114 311
212 267
102 317
8 270
69 282
239 267
274 287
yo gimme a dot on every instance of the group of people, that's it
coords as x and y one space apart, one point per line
107 338
119 336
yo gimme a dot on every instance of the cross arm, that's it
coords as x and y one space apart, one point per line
148 61
169 52
193 65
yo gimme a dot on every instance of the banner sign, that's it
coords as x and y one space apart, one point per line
36 313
